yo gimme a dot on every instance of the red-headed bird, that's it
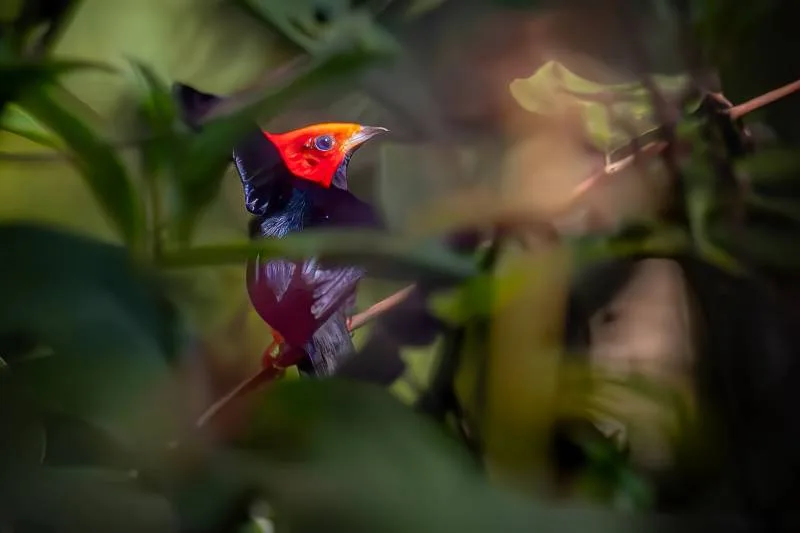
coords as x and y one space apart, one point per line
293 181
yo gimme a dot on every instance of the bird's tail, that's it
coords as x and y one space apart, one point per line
193 104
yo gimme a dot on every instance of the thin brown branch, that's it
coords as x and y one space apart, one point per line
374 311
264 375
758 102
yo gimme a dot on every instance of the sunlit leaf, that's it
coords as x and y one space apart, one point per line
612 114
101 168
15 120
479 297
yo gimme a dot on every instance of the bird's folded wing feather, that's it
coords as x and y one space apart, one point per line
334 289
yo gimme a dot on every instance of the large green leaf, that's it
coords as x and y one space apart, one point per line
95 335
339 456
383 255
102 169
202 164
20 74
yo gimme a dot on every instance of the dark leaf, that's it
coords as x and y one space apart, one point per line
84 501
104 333
342 457
97 161
317 25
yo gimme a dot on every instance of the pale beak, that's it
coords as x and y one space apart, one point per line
363 135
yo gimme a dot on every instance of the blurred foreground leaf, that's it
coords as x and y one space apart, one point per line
101 168
15 120
318 25
85 501
81 329
383 255
346 457
612 114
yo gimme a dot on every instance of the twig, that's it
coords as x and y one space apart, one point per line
377 309
264 375
763 100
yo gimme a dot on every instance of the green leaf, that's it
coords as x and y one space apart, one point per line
653 241
771 169
346 457
479 297
97 161
207 154
383 255
160 115
104 333
612 114
85 500
20 74
318 25
15 120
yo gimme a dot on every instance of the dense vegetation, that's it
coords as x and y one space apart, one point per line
109 357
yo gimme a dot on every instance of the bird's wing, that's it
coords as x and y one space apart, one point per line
330 344
266 181
333 288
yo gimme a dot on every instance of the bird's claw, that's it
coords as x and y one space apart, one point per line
273 351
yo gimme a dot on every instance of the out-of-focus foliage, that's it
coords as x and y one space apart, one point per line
109 351
612 114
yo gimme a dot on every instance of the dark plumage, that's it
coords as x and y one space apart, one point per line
294 181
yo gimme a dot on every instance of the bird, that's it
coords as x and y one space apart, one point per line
292 182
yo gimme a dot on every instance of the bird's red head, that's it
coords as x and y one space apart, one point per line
314 153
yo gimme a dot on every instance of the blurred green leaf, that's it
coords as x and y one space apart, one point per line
19 74
159 112
86 501
317 25
96 159
207 155
383 255
347 457
421 7
771 168
15 120
105 333
636 240
479 297
612 114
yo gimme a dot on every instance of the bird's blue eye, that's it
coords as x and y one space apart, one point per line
323 143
